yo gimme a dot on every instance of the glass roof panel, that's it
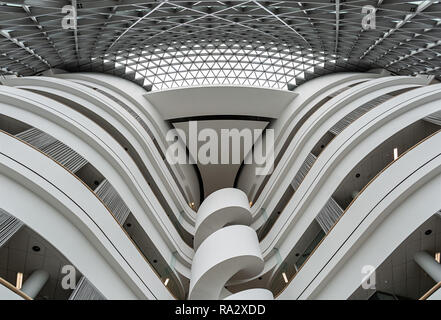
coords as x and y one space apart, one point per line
166 44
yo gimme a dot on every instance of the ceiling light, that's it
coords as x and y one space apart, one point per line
438 257
395 153
19 281
285 278
166 281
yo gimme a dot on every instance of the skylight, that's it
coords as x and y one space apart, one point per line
217 63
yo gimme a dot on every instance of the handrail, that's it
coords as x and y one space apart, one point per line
431 291
90 83
14 289
409 86
315 107
144 125
350 204
144 170
321 152
113 216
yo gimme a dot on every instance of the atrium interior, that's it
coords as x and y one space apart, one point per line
208 150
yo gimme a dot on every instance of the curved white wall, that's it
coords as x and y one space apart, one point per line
57 205
397 202
135 97
342 154
101 150
226 250
109 111
315 127
307 96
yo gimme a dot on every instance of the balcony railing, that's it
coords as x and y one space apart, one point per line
174 294
14 289
431 291
349 206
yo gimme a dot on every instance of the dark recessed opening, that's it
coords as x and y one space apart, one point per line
322 146
297 254
357 175
155 261
278 212
96 182
36 248
429 231
125 148
128 225
260 278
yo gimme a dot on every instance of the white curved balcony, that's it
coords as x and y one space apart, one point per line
100 149
342 154
308 96
72 218
107 113
390 208
363 136
314 128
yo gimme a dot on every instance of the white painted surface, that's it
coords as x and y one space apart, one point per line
216 100
237 251
227 206
376 223
313 129
35 282
435 296
340 156
7 294
230 251
62 210
429 265
227 249
308 95
134 96
252 294
106 154
218 176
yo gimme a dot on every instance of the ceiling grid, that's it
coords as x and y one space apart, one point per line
166 44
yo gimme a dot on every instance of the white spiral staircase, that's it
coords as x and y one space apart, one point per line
227 249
